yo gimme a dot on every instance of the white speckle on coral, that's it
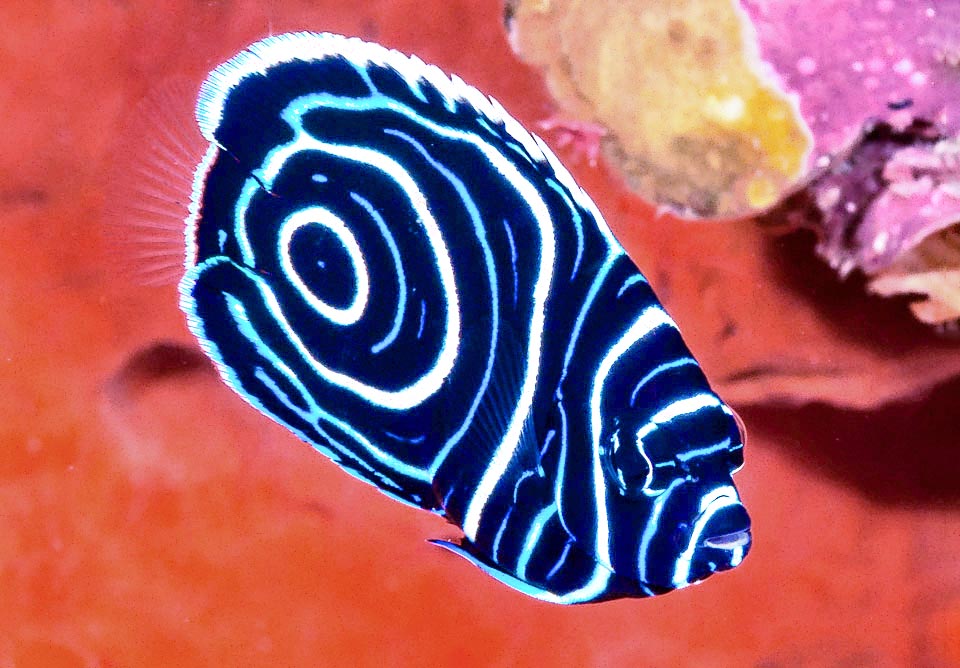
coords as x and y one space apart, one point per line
930 12
850 207
806 65
919 187
951 189
857 66
917 79
828 198
903 66
951 58
901 120
948 153
823 162
880 242
728 109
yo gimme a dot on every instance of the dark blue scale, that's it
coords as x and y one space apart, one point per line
385 262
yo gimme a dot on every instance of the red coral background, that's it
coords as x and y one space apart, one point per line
148 517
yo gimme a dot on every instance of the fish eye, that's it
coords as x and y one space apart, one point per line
628 467
735 454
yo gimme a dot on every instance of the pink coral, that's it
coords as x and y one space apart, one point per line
855 61
878 84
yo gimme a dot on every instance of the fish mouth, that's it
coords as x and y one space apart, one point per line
721 543
724 527
728 541
716 539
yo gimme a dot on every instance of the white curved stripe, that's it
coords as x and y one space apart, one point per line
562 559
513 261
649 319
561 466
675 409
636 278
666 366
722 446
495 550
595 587
250 188
302 141
315 215
648 479
193 210
577 221
598 282
533 536
391 336
646 458
650 529
685 406
737 557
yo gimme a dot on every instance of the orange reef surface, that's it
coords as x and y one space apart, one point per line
148 517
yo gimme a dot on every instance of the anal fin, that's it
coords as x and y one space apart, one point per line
467 552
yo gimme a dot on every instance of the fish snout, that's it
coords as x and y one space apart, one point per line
727 529
718 539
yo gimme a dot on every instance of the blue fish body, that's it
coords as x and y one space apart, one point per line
384 261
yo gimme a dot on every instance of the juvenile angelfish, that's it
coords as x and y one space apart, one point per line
385 262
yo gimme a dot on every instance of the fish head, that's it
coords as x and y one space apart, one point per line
672 514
